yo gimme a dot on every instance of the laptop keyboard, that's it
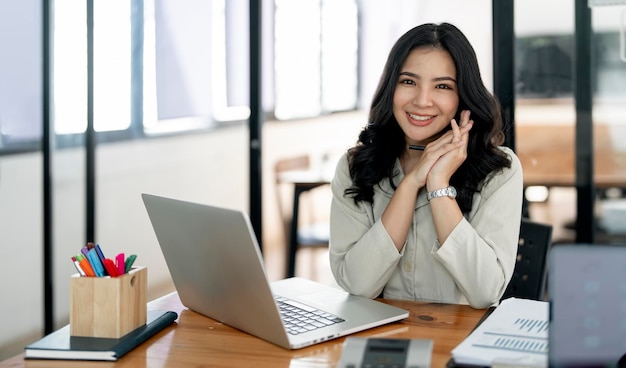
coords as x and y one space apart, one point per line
299 318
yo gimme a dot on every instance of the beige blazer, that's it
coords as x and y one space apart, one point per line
473 266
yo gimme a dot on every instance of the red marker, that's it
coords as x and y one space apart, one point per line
110 267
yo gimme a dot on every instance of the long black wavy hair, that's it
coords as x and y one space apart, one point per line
382 140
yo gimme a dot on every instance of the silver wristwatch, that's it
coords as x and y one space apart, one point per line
445 192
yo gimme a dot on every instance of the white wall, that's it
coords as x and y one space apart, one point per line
382 22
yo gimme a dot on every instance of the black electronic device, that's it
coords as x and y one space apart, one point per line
385 353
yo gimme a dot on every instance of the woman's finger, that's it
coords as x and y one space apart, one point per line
465 118
456 133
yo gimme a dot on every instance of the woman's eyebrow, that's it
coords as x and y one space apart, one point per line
409 74
438 79
441 79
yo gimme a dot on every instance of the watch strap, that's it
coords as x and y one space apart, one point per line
449 191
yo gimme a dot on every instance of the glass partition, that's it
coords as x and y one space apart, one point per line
545 114
609 119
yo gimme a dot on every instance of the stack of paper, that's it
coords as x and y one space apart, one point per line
515 334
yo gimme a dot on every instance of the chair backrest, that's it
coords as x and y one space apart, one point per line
284 192
301 162
529 276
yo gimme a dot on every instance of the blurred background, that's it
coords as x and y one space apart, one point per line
102 100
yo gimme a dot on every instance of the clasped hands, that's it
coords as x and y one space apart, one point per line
443 156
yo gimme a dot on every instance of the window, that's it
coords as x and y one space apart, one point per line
112 66
20 75
161 67
316 57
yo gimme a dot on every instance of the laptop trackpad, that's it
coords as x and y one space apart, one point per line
325 297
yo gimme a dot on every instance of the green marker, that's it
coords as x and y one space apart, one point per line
129 262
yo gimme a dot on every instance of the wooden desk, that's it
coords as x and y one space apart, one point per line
195 340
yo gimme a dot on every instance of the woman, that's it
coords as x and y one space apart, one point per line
427 205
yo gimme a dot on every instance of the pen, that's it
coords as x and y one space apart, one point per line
77 265
99 252
95 262
416 147
129 262
84 264
110 267
119 262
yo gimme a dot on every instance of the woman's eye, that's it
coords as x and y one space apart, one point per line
443 86
407 81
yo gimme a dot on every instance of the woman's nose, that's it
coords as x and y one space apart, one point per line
422 97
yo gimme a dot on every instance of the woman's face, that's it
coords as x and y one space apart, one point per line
426 97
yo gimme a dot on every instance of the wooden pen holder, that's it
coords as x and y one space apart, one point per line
108 306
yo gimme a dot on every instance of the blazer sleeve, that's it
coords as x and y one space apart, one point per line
481 251
362 254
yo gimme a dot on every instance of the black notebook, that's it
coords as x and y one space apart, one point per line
60 345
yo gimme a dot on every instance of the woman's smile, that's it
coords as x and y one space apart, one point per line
420 120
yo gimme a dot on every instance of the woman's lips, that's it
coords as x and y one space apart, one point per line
420 120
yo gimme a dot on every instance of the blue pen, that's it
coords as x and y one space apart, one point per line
101 257
98 268
100 254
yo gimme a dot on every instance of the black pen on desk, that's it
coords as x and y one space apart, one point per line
416 147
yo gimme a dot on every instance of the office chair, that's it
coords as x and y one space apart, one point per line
529 275
295 171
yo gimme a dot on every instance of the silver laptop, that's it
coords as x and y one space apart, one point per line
217 268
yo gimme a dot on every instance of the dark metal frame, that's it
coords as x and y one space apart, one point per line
256 120
583 94
47 146
504 64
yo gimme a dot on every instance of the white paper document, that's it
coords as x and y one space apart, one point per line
515 334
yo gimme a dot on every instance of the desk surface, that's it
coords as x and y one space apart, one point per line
195 340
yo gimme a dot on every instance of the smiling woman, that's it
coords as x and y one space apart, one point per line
418 223
426 97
